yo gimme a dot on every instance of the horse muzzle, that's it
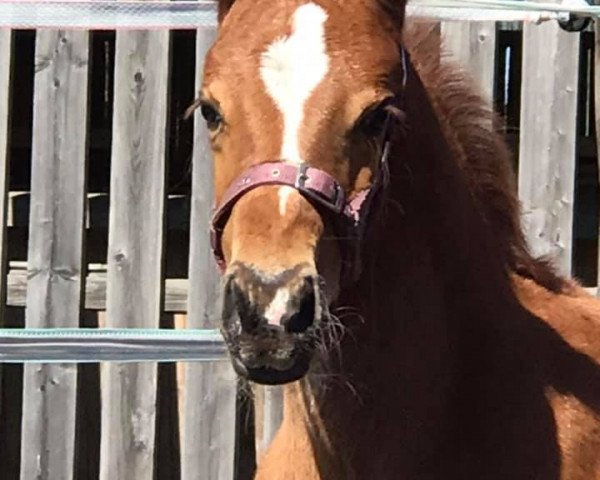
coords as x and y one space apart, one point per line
270 322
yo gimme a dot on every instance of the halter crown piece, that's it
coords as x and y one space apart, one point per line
322 190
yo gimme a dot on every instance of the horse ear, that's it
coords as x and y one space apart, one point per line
223 7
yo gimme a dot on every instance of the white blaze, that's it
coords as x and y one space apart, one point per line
291 68
276 310
284 194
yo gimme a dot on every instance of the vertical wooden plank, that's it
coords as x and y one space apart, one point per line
269 412
547 142
11 380
5 69
208 434
181 321
473 46
135 249
54 260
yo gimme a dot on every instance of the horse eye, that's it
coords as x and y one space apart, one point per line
373 122
211 115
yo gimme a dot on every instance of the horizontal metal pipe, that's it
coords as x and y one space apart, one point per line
148 15
56 345
107 15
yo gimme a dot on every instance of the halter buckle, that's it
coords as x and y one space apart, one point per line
302 177
336 202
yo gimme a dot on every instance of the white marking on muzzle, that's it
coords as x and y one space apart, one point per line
291 68
276 309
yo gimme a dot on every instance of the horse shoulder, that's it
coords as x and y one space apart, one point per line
575 316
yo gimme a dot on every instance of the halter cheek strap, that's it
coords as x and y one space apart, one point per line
321 189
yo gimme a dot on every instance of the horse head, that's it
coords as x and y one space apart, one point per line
299 109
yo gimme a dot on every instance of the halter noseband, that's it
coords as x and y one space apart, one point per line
324 192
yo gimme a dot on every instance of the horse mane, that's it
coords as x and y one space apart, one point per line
471 128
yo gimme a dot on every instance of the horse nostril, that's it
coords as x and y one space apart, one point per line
238 305
304 316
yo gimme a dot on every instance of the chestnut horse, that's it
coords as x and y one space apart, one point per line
368 231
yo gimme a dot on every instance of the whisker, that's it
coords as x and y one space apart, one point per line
344 308
356 315
394 203
326 379
346 311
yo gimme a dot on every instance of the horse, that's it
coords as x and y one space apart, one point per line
368 231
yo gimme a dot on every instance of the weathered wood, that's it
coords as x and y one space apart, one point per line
597 112
176 291
548 135
5 69
55 246
135 249
208 435
473 46
269 415
180 323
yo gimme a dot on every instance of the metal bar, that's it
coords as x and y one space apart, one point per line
100 15
110 14
56 345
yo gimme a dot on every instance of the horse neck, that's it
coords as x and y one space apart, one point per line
432 270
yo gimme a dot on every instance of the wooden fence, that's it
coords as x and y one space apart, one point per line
88 117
